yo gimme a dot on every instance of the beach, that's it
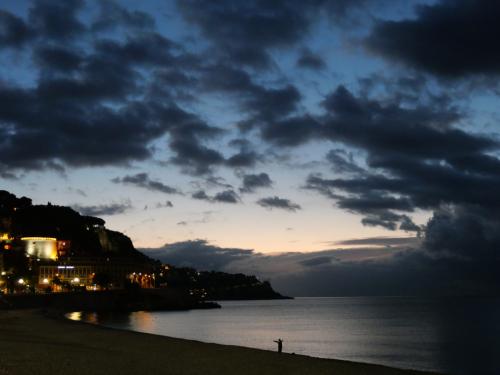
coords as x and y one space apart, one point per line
37 342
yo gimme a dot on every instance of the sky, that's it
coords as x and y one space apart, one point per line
314 143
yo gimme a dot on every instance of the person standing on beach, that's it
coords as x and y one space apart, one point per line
280 345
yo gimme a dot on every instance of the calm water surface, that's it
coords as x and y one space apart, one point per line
453 335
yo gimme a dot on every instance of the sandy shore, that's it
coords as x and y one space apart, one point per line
33 343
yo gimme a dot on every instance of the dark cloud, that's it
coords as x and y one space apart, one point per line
6 175
451 38
229 79
465 233
226 196
103 209
411 87
313 262
198 253
376 206
261 104
246 157
58 58
386 219
378 210
186 140
405 268
216 181
78 144
112 15
407 225
273 111
409 273
272 104
13 30
56 20
343 162
378 127
374 202
243 159
201 195
277 202
417 158
123 89
241 143
148 48
310 60
100 78
89 87
268 109
251 182
143 180
292 131
245 31
175 78
194 157
164 205
381 241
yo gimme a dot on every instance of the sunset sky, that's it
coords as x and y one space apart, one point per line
268 126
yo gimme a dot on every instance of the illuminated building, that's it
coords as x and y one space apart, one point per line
143 280
5 245
50 263
54 248
81 272
41 247
5 241
63 247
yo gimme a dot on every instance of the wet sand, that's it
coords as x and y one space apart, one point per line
33 343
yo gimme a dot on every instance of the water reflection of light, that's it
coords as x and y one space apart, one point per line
77 315
143 321
87 317
92 318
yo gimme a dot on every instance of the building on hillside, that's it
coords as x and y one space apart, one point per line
41 247
94 273
46 247
53 248
42 264
5 241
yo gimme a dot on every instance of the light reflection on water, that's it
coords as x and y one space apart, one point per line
457 335
77 315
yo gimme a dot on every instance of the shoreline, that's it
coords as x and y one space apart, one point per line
46 342
107 300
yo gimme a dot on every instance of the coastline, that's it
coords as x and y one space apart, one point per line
34 341
107 300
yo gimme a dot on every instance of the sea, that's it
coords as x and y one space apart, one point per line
454 335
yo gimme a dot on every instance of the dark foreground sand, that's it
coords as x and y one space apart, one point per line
33 343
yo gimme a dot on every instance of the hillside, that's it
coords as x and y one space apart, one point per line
39 238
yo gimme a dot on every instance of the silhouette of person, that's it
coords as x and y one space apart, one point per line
280 345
